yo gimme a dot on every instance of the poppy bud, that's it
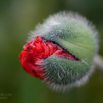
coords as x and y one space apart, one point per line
61 50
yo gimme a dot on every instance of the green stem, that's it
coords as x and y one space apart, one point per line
98 60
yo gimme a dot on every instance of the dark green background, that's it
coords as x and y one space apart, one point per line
17 19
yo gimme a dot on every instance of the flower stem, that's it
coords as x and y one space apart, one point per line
98 61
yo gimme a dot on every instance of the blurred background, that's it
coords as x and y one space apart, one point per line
17 19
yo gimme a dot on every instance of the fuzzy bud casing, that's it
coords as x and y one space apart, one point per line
75 35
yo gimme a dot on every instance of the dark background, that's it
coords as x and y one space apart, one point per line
17 19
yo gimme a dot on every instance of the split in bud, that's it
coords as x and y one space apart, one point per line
37 49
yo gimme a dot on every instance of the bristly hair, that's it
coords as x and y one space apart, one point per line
56 19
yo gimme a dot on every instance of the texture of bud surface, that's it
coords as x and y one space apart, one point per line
61 50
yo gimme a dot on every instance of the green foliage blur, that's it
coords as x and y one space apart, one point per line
17 19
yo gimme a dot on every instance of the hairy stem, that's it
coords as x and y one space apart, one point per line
98 60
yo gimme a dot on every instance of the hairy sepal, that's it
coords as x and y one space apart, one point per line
79 37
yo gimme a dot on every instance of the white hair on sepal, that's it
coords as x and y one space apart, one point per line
35 32
63 88
82 19
52 22
59 18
